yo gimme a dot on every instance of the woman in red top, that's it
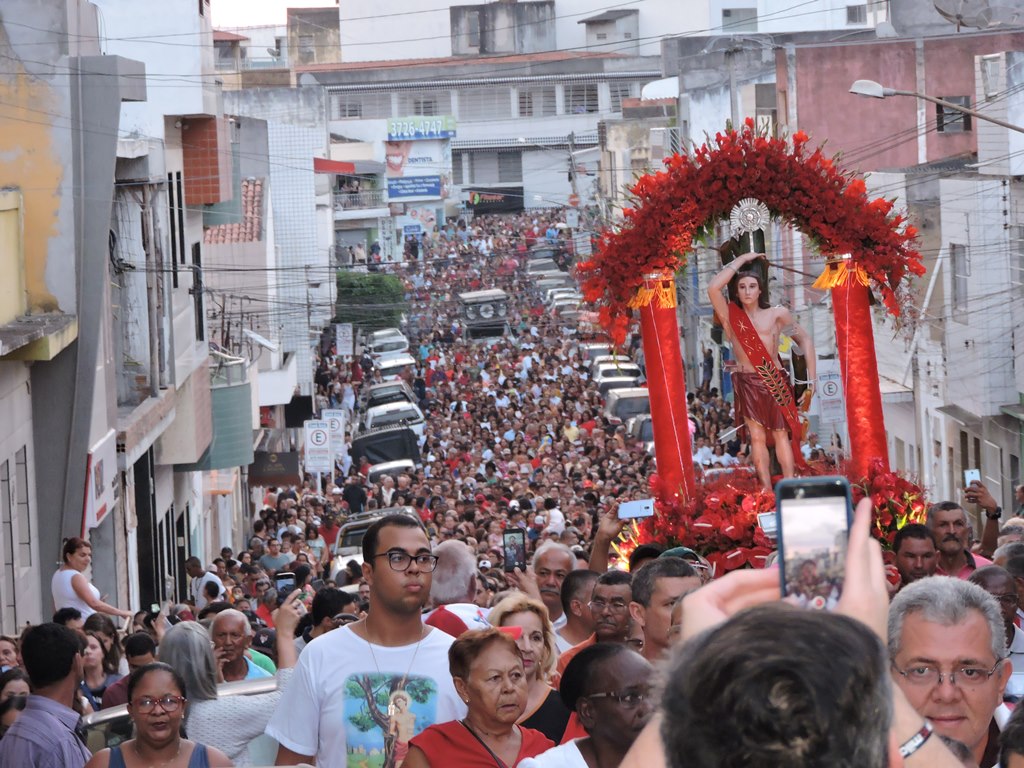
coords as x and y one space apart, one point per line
489 676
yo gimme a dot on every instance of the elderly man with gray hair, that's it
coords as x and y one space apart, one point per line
453 588
232 634
948 651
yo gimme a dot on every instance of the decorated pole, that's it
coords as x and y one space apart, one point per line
666 384
855 342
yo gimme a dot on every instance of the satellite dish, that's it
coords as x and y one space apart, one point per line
979 14
974 13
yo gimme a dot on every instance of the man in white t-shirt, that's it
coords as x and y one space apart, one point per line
200 577
369 687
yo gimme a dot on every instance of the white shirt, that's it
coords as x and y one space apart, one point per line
1015 685
324 710
566 755
196 588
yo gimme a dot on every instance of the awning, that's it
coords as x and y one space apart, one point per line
1015 410
354 168
961 415
894 392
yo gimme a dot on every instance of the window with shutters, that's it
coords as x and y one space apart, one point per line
538 102
948 120
425 103
478 104
510 167
580 98
856 14
619 91
961 273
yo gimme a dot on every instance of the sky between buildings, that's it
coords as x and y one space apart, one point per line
254 13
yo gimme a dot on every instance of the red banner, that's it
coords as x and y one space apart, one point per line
666 384
855 341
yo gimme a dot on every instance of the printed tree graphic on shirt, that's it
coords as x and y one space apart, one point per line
376 692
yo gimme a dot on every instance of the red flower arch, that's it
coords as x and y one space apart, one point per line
675 206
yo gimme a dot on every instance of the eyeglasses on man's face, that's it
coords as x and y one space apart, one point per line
627 699
929 675
599 605
400 560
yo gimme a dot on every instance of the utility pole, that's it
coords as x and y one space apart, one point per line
572 166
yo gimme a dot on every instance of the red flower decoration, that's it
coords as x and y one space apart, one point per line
675 206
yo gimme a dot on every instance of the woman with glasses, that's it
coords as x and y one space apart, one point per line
489 676
230 722
156 706
608 686
545 711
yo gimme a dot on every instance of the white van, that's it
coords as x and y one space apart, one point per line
620 405
396 413
390 341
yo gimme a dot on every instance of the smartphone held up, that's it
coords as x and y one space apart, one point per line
813 518
513 542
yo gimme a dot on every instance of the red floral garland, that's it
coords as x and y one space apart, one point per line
721 521
674 206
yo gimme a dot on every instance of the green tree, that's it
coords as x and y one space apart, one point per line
369 300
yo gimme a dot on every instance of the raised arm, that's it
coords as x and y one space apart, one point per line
721 280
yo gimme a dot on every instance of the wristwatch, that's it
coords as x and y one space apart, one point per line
995 514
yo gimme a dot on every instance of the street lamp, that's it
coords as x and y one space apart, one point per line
878 91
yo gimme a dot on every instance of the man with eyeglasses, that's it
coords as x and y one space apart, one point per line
333 704
1003 587
947 646
609 605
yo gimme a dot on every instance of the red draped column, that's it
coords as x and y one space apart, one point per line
855 340
666 383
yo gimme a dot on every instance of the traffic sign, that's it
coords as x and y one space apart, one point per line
318 446
574 200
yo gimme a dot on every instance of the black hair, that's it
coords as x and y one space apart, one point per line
644 580
64 615
48 652
913 531
1011 740
579 673
643 552
139 644
14 673
574 582
157 666
734 286
329 602
791 687
614 578
372 535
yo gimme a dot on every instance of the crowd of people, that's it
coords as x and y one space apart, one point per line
434 651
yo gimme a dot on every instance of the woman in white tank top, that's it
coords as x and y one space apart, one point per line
71 589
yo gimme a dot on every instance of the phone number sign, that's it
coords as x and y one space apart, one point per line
421 128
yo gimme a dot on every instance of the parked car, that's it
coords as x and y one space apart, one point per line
390 468
394 366
385 342
604 359
606 385
350 536
620 405
395 413
383 444
641 429
396 391
618 368
593 350
553 293
112 726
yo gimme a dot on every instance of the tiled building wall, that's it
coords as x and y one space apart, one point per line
207 155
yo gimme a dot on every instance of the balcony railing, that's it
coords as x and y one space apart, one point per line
370 198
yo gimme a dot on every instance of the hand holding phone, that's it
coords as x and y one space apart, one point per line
971 476
284 583
813 518
634 509
513 543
